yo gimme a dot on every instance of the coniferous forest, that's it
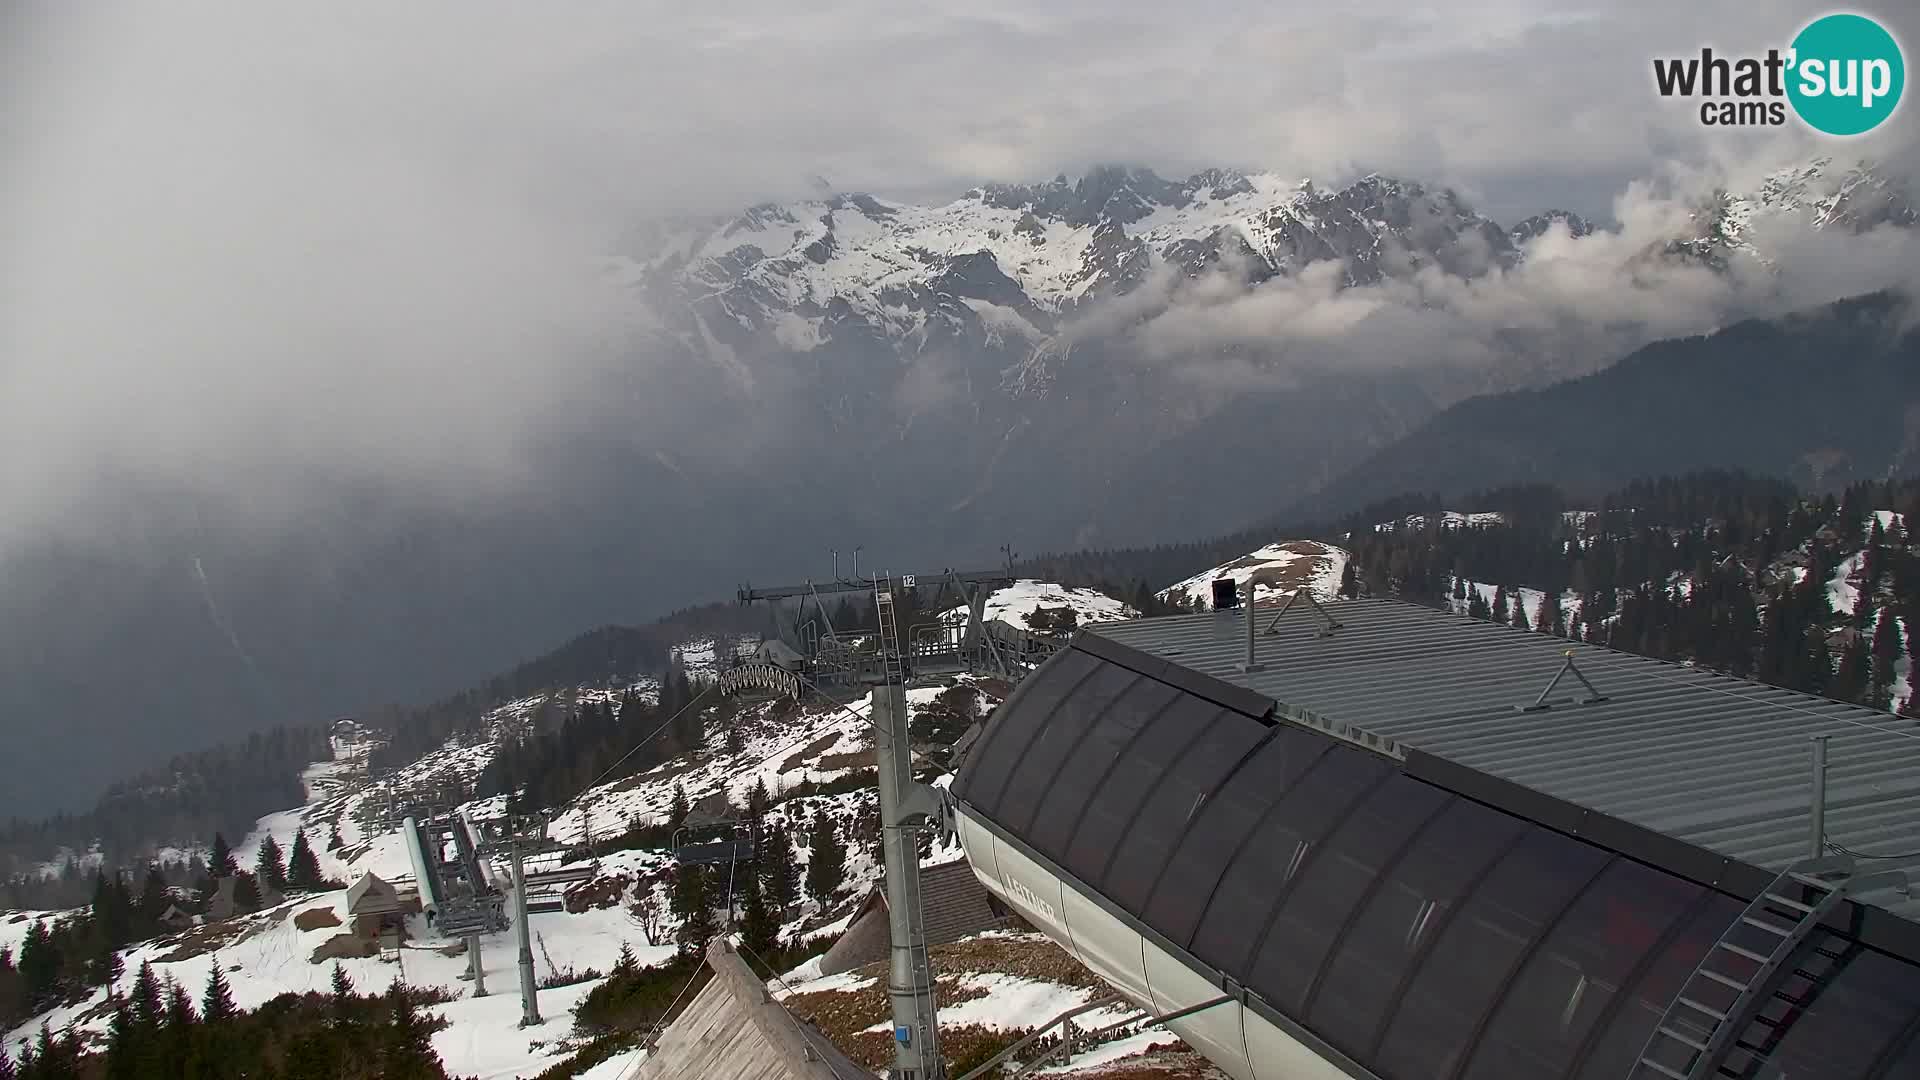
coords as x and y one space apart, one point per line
188 799
159 1028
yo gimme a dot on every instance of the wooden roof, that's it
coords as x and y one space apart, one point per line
734 1030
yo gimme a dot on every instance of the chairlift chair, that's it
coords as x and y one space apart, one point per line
715 844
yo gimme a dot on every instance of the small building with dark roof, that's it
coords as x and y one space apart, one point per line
375 908
954 903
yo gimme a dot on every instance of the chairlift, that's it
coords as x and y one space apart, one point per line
714 844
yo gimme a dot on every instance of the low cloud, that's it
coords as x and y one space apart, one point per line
245 250
1571 305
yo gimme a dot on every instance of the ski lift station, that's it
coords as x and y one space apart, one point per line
1380 841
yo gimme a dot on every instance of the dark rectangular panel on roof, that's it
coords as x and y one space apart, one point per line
1016 723
1109 814
1333 882
1568 985
1085 768
1264 867
1055 741
1175 797
1398 924
1222 826
1471 964
1639 1004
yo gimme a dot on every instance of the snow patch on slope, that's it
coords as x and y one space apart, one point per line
1276 570
1017 602
1448 519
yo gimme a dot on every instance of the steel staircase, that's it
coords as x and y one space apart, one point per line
1741 978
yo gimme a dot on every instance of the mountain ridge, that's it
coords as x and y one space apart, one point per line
1647 415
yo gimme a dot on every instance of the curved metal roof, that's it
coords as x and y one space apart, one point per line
1421 917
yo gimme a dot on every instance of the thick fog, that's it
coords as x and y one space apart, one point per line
253 258
245 245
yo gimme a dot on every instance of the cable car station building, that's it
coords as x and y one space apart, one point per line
1388 842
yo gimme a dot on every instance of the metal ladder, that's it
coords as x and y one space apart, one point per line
1741 972
891 668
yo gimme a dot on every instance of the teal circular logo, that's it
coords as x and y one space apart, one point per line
1846 74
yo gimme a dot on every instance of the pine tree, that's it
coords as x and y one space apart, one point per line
246 894
216 1003
1349 582
116 967
1520 611
154 898
408 1054
342 986
1553 619
1477 607
826 860
691 903
758 802
124 1044
624 964
1850 682
51 1061
7 1071
221 863
180 1012
145 998
759 929
781 871
1886 655
112 909
1500 614
1817 668
270 871
303 866
678 810
176 1040
71 1048
39 963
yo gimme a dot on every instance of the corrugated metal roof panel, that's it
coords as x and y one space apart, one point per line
1715 761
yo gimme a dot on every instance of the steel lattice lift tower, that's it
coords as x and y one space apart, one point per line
907 807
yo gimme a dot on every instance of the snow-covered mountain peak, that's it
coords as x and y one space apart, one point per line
792 276
1818 193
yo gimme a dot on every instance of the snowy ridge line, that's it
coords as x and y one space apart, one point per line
1275 570
1027 258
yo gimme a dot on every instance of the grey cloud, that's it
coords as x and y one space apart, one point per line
242 245
1572 305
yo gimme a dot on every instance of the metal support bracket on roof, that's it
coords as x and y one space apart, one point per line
1329 624
1593 693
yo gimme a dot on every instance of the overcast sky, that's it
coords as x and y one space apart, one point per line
236 236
